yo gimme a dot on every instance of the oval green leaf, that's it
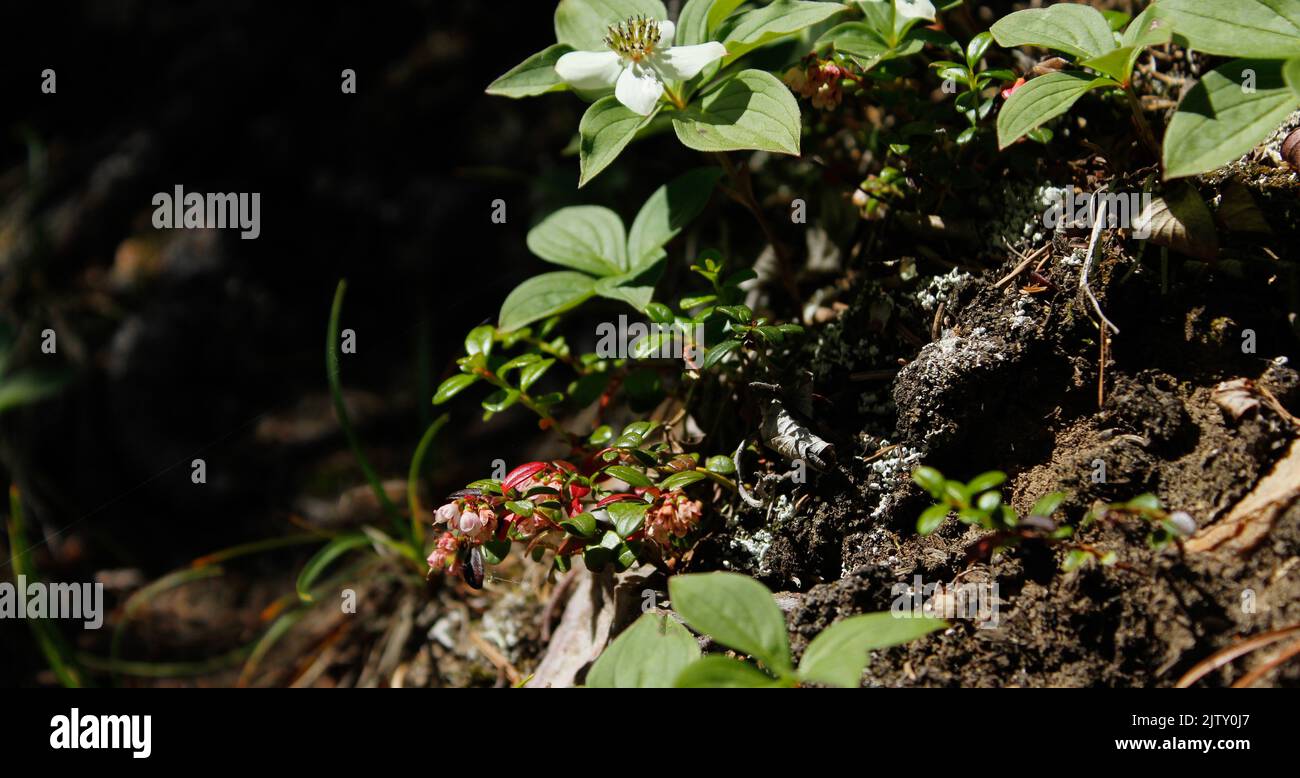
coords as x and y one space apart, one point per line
838 654
752 110
650 654
1218 121
544 295
736 611
1042 99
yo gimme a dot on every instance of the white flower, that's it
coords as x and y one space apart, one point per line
470 523
914 9
448 514
640 59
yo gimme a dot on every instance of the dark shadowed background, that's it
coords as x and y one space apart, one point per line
196 344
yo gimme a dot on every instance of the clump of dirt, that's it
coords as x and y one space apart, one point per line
1014 382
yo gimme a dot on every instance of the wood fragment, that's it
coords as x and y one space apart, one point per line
1034 256
1251 519
1224 656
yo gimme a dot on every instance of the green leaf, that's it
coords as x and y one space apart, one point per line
1148 29
930 480
581 525
775 20
322 559
544 295
500 400
636 288
1115 64
1116 19
838 654
857 39
495 551
629 475
605 130
682 479
699 18
723 672
1042 99
1266 29
1079 30
589 238
582 23
932 518
1046 505
976 48
534 76
1217 121
668 210
716 353
628 516
737 612
909 13
479 340
650 654
720 463
752 110
533 371
522 508
1143 503
452 387
1291 75
660 313
740 314
985 481
28 387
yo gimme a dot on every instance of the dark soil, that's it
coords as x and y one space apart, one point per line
995 392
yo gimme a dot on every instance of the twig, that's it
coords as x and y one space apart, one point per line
558 596
740 480
495 656
1101 368
1224 656
1024 265
1250 678
1100 219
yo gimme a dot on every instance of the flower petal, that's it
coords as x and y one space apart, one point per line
639 88
915 9
589 69
682 62
666 32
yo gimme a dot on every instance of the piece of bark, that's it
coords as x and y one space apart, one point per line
601 605
1251 519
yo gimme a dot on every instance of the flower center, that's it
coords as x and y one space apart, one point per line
634 39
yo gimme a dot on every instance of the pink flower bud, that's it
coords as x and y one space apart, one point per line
470 523
448 514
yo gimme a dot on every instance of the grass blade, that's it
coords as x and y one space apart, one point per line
341 410
413 481
51 642
324 558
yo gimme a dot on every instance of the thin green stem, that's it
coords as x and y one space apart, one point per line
341 410
1140 121
413 481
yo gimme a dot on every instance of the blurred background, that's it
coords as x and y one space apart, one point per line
184 344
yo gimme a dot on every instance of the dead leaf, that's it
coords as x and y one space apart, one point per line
1236 397
1251 519
1238 212
1181 221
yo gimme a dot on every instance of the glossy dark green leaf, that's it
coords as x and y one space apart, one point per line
452 387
